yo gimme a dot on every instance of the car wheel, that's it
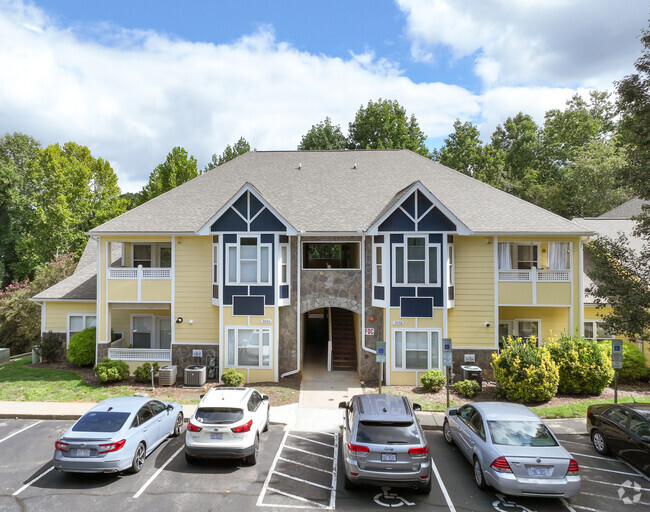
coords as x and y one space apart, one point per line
138 458
600 445
348 484
251 460
479 479
446 431
178 426
189 458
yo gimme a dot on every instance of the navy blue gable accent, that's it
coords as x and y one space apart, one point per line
244 305
266 221
242 205
434 293
284 291
379 239
230 239
284 239
416 307
379 293
435 220
267 291
255 205
397 293
229 291
267 239
423 204
396 239
409 205
398 221
435 239
229 221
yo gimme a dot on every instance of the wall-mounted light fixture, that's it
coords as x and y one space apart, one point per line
371 318
179 320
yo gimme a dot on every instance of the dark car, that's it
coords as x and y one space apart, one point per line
622 429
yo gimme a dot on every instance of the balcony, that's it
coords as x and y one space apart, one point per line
139 273
140 284
140 354
535 275
530 287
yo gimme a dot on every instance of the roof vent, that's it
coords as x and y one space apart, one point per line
355 166
299 166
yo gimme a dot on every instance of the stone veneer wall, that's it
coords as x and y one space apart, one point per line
482 359
182 356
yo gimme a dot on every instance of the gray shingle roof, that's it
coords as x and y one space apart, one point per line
322 191
627 210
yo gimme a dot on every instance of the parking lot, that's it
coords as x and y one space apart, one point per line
296 470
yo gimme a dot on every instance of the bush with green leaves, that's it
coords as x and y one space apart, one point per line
81 351
111 371
232 378
584 366
143 373
50 347
433 381
633 360
525 372
467 388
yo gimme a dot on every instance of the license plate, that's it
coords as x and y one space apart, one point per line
215 435
388 457
537 471
83 453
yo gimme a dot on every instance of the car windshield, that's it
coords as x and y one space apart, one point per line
219 415
373 432
521 433
101 421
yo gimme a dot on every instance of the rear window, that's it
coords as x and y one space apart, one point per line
521 433
372 432
219 415
101 421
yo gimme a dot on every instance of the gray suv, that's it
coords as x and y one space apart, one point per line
383 443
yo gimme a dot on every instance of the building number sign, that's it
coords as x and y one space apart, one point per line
370 331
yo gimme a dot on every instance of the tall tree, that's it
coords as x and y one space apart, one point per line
384 124
323 135
238 148
178 168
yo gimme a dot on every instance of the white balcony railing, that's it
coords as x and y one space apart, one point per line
140 354
139 273
535 275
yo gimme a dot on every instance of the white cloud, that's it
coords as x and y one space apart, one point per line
536 42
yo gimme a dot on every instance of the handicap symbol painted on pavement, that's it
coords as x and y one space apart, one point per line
391 499
504 505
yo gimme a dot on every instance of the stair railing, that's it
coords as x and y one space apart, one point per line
329 355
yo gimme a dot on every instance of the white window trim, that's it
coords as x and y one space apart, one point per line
286 263
67 329
515 326
237 246
155 343
595 322
427 245
216 251
261 331
451 265
411 370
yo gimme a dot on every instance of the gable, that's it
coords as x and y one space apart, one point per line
417 213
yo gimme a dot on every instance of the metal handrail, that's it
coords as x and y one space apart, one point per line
329 355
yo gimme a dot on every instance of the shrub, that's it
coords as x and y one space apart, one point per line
111 371
232 378
633 360
583 365
50 347
433 381
525 372
467 388
143 373
81 351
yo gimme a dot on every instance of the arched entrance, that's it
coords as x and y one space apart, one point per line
338 325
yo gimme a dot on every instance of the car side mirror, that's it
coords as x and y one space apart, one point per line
452 412
265 397
645 439
343 405
201 396
417 407
170 407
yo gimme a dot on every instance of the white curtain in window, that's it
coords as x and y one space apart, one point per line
505 259
558 255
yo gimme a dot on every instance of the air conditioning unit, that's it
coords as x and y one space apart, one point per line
195 375
167 375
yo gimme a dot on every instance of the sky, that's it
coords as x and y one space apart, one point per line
133 79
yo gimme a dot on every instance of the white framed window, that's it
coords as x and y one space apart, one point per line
248 347
416 349
249 261
518 256
379 265
142 331
284 270
77 322
158 255
416 262
142 255
593 330
215 266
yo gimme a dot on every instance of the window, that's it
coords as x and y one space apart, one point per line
284 264
79 322
248 347
450 272
416 349
141 331
594 331
152 255
331 255
249 262
379 265
520 327
215 267
528 328
416 262
142 255
639 426
518 256
527 256
618 416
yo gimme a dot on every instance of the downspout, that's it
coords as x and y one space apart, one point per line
298 319
363 295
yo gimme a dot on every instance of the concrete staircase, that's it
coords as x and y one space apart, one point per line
344 346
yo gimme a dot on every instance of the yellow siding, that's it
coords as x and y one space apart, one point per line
409 323
554 321
193 291
255 375
56 313
400 378
155 290
474 293
122 290
515 293
552 293
594 313
103 331
230 319
263 321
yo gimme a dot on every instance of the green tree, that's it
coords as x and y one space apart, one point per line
384 124
131 199
238 148
323 135
178 168
69 192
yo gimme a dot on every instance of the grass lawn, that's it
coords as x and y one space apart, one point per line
578 409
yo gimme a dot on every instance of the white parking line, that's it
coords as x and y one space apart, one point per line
600 482
566 504
305 465
299 498
594 456
309 453
610 470
442 487
31 482
303 481
588 509
616 498
310 440
153 477
21 430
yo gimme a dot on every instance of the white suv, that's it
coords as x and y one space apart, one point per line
227 424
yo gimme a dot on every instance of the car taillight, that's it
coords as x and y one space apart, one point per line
573 468
192 427
111 447
501 465
420 450
61 446
358 448
243 428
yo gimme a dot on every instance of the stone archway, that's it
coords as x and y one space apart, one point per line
312 303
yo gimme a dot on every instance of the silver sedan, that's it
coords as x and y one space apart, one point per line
512 450
117 434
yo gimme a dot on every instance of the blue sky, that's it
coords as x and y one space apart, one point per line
133 79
